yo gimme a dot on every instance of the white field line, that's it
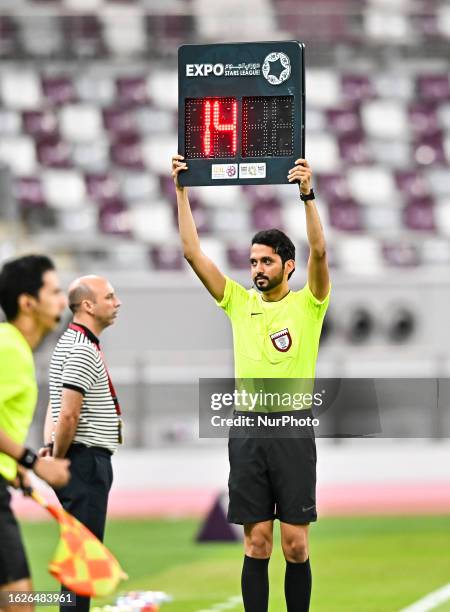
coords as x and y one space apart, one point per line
230 604
430 601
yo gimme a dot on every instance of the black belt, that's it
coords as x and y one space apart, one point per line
100 450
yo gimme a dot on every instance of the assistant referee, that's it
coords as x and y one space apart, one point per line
276 334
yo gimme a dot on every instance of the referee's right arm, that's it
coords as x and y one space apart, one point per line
206 270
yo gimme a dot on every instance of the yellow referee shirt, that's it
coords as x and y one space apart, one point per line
274 339
18 391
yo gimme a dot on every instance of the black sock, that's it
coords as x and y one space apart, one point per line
255 584
297 586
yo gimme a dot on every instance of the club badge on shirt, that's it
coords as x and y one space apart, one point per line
282 340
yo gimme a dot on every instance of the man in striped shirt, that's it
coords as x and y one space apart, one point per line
83 420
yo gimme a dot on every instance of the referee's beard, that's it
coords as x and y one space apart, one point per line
267 284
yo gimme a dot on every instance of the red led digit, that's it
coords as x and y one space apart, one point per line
207 133
227 127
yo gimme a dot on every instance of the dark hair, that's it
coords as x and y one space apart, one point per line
19 276
280 243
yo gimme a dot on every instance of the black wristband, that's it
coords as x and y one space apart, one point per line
305 197
28 459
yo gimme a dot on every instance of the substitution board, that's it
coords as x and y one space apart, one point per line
241 111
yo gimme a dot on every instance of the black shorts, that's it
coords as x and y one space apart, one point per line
272 478
13 562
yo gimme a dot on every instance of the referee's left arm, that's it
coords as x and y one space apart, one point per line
318 275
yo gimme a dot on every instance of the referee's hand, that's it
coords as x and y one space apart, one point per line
178 165
301 173
55 472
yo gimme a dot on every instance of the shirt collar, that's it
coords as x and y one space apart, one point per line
92 337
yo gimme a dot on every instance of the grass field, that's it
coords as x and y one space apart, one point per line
359 564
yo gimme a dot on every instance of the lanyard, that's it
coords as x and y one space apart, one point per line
115 399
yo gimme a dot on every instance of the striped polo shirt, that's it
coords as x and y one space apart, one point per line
78 364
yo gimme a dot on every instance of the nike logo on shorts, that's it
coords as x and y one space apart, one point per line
310 508
255 313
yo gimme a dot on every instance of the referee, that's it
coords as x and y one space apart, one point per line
83 421
276 334
32 301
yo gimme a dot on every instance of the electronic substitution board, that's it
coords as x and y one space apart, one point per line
241 111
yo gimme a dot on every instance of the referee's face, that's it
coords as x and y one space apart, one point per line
266 267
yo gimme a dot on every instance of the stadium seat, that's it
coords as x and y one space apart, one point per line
83 35
437 179
393 153
63 189
442 216
333 187
382 219
95 87
40 123
387 24
435 251
28 191
53 152
127 153
10 122
385 119
18 153
238 257
401 254
354 149
323 152
153 121
124 30
132 90
433 87
20 89
357 87
412 184
80 123
167 257
419 215
343 120
119 121
151 222
41 35
163 89
114 218
9 44
265 215
139 186
423 118
443 19
91 156
323 87
102 187
371 185
359 255
345 216
429 150
58 89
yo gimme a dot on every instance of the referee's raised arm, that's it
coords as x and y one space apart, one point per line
206 270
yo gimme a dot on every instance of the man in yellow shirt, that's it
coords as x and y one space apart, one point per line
276 335
32 301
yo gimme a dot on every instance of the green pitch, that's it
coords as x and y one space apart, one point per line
359 564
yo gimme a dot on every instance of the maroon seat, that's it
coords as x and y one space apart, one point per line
127 152
119 121
429 150
419 215
239 257
357 87
344 120
412 184
28 191
54 153
353 148
167 258
58 89
40 124
102 187
401 254
132 91
333 187
433 87
265 215
425 23
84 36
113 218
423 118
9 44
345 216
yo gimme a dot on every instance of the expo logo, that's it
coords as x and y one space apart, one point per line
204 69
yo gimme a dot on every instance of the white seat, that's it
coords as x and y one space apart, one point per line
21 89
97 88
322 152
162 88
387 24
442 216
157 153
385 119
10 122
359 255
91 156
83 5
231 196
323 87
372 185
152 222
139 185
438 181
386 219
64 189
80 123
124 29
234 20
19 154
393 153
443 18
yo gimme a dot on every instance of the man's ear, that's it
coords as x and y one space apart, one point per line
26 303
290 267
